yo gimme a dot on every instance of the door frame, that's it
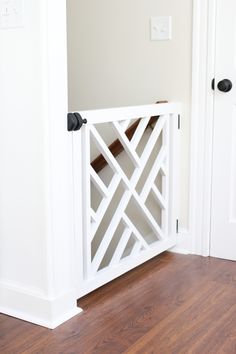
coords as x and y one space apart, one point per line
202 123
202 115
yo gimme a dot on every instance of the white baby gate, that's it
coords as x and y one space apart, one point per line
126 210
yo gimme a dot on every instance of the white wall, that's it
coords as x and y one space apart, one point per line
21 153
36 239
112 61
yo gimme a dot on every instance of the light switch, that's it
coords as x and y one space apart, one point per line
161 28
11 13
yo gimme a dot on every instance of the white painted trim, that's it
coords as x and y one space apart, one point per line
184 240
33 307
56 300
202 125
60 247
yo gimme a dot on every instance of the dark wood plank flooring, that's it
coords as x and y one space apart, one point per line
174 304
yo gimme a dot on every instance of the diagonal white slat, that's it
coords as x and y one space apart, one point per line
105 203
139 132
163 170
153 174
148 216
108 156
121 246
148 150
124 124
98 183
135 231
159 198
127 145
111 230
153 139
93 215
136 249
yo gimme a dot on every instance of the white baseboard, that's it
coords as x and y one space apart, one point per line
184 242
31 307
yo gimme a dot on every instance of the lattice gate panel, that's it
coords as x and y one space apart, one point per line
126 203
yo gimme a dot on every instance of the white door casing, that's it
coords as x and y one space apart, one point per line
202 111
223 220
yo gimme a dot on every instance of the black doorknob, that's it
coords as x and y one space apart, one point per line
75 121
225 85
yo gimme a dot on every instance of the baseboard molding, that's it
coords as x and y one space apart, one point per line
184 243
32 307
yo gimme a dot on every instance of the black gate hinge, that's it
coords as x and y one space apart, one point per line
75 121
177 226
213 84
179 121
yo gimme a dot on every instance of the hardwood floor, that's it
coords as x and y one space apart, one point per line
173 304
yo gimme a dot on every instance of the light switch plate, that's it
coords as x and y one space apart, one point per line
161 28
11 13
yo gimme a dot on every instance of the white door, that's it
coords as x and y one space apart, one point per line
223 228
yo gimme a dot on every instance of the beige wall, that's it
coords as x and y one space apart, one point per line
112 61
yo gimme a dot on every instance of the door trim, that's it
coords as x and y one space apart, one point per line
202 118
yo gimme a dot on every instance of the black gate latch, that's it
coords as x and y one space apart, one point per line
75 122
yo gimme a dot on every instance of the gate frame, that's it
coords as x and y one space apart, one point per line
83 286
